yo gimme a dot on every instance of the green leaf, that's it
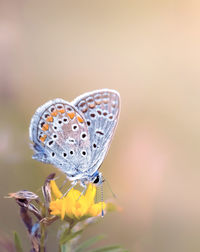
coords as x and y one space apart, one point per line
115 248
64 248
69 236
86 244
17 242
111 207
64 234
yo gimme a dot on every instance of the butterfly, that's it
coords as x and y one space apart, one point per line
75 136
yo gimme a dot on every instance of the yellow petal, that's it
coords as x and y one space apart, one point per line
90 193
73 195
57 193
81 207
75 205
96 209
69 204
63 209
55 207
55 212
55 204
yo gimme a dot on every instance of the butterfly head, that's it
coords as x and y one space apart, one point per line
97 178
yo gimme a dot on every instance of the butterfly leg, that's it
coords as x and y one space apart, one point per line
84 189
72 185
65 181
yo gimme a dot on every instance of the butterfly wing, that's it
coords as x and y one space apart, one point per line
100 109
60 137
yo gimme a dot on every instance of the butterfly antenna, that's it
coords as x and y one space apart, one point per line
113 194
102 211
63 184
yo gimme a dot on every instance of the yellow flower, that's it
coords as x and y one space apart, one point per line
74 206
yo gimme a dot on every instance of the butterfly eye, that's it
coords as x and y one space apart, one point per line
96 181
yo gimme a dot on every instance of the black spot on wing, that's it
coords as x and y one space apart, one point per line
99 132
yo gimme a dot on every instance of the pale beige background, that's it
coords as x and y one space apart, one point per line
147 50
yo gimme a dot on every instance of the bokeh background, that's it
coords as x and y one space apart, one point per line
147 50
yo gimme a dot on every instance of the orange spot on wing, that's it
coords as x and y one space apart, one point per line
80 119
71 115
45 127
91 105
61 111
84 110
49 119
42 138
54 113
98 102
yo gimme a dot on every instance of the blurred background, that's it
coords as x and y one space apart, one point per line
147 50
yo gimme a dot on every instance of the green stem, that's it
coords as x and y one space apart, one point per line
66 247
42 230
42 239
71 225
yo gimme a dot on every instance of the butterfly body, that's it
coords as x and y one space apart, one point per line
75 136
